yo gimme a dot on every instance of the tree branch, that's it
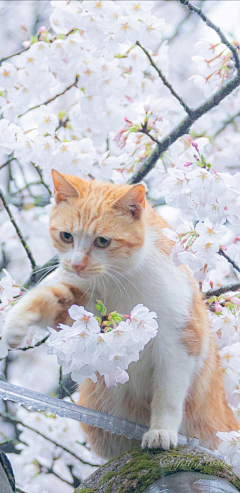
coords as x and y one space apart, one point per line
165 81
182 128
221 290
235 266
74 84
223 38
19 233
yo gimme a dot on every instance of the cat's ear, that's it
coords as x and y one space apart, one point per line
63 189
133 201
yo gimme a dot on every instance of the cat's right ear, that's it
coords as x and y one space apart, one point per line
63 189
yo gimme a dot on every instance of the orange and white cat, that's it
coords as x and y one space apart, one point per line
111 247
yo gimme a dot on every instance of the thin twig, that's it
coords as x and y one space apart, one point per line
231 261
7 162
62 386
221 290
226 123
223 38
165 81
39 171
39 343
14 54
74 84
19 233
147 132
17 421
178 28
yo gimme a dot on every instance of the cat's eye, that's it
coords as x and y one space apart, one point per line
66 237
101 242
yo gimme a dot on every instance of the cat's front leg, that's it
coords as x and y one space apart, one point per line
171 381
43 305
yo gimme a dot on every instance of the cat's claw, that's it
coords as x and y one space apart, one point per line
164 439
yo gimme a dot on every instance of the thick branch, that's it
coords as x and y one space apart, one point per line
74 84
223 38
221 290
231 261
165 81
183 127
19 233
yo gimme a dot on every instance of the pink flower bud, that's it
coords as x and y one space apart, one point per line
187 164
218 307
211 283
147 108
195 146
41 29
26 44
237 238
127 120
224 248
23 27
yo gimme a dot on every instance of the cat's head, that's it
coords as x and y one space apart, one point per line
97 226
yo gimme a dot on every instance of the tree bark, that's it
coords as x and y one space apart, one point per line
135 470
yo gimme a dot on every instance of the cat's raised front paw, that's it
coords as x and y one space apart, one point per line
164 439
16 326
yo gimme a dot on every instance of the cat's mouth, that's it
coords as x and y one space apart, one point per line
87 272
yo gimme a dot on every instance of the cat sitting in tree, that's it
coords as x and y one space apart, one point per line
100 229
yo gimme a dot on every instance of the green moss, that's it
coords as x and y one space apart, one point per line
108 476
141 468
87 490
109 487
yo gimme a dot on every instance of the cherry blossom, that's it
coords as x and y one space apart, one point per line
83 350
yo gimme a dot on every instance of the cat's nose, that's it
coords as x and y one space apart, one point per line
80 266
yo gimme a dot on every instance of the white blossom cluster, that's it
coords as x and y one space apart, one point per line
83 350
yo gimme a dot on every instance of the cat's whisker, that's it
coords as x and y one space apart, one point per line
117 280
125 277
94 285
104 289
48 270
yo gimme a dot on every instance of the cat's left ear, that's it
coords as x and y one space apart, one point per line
133 201
63 189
